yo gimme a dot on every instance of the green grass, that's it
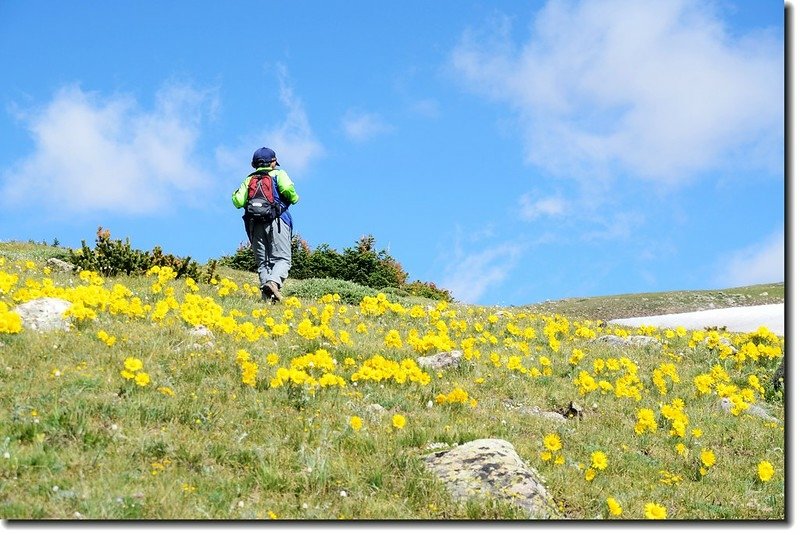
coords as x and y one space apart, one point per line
653 304
76 437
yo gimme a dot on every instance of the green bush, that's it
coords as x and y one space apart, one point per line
429 290
361 265
113 257
376 269
243 259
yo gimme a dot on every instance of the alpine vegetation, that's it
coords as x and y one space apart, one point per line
165 397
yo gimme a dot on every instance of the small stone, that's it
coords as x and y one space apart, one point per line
635 341
202 331
726 405
441 360
60 265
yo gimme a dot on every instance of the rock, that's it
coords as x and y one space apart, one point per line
44 314
534 411
441 360
60 265
376 411
628 341
611 339
642 341
437 446
574 410
491 468
202 331
758 411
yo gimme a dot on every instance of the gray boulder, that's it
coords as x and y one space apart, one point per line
60 265
44 314
726 405
441 360
534 411
491 469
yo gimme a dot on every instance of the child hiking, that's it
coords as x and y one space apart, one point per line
266 194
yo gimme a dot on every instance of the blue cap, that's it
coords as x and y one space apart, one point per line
263 154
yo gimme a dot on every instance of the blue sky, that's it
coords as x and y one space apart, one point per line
509 151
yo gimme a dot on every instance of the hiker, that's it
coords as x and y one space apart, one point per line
266 195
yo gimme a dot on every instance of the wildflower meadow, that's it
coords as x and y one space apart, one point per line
170 398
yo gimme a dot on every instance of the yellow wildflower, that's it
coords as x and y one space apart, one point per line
552 442
599 460
614 509
356 423
398 421
765 471
708 458
655 511
133 364
142 379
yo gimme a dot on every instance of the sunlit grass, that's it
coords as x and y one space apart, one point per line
257 420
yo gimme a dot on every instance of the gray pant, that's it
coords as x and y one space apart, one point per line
272 245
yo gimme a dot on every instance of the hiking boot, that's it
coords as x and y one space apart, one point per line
273 287
266 294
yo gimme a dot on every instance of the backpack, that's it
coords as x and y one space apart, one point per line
262 199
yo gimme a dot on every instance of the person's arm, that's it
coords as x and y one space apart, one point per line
239 197
286 187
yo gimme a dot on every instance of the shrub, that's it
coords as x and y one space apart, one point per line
361 265
113 257
429 290
243 259
301 255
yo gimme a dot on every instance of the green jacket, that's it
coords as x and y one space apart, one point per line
285 188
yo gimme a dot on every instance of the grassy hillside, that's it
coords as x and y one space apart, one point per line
315 408
653 304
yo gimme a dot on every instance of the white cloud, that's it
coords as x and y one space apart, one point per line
107 154
758 264
469 276
293 139
361 126
656 88
531 209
